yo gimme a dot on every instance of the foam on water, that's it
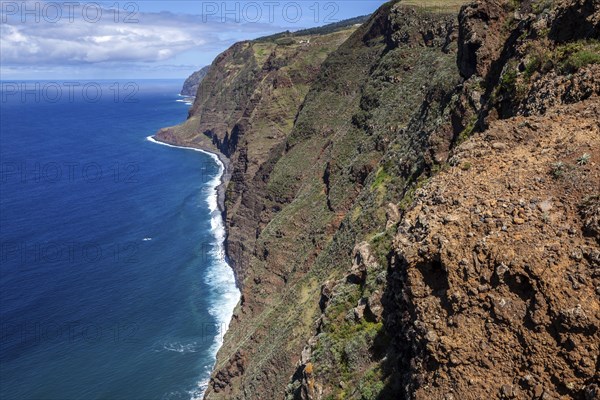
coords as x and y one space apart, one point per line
187 100
136 308
220 276
178 347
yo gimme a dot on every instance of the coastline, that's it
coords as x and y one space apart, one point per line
220 275
187 100
217 156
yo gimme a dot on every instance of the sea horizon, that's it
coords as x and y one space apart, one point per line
159 295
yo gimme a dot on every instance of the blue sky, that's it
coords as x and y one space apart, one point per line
43 39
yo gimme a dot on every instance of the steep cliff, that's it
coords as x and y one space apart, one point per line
244 110
415 216
192 83
353 113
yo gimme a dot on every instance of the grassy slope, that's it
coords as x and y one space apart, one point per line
246 73
351 115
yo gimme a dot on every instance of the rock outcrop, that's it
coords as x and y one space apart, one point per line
495 264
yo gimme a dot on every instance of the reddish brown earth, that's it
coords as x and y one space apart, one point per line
502 261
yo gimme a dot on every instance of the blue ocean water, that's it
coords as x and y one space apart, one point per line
112 280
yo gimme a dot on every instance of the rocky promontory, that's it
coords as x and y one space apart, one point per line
191 84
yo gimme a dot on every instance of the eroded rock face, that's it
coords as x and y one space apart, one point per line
505 293
513 63
363 261
576 19
553 89
480 36
590 209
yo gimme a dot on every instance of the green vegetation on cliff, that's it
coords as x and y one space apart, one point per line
335 137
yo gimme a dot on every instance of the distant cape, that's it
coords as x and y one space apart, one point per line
190 86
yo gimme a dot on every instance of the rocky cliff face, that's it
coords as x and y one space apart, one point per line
191 84
244 110
496 268
416 216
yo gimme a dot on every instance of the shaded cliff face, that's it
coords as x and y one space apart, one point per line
417 217
192 83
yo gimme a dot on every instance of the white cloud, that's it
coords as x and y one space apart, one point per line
156 37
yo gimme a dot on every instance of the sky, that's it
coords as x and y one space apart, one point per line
146 39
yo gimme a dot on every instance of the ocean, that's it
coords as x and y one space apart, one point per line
113 283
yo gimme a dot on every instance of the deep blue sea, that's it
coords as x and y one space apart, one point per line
112 280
